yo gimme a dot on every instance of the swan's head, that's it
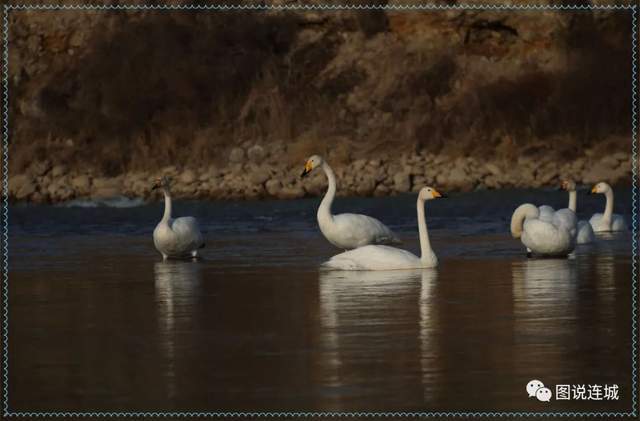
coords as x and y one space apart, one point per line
568 185
312 163
428 193
600 188
162 183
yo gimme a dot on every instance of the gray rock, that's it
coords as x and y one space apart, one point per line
459 180
169 170
620 156
418 183
187 177
59 171
81 183
365 186
381 190
402 182
236 155
292 192
40 168
493 169
26 190
256 154
104 182
609 161
273 187
106 187
259 175
17 181
358 165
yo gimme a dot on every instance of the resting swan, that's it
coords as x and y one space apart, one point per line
346 230
608 221
545 234
585 233
375 257
178 237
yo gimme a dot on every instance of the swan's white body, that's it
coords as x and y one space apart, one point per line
347 230
549 235
607 221
585 233
179 237
380 257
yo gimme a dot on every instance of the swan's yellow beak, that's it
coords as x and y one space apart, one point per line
437 194
308 166
594 190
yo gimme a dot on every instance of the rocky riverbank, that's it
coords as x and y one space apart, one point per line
256 172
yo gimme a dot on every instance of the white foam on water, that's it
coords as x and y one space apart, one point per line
110 202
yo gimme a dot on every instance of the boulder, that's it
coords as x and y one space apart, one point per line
366 185
493 169
236 155
292 192
609 161
187 177
381 190
59 171
106 187
26 190
273 187
402 182
256 154
81 183
17 181
259 175
39 168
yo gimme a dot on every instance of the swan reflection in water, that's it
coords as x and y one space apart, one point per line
357 307
176 289
549 300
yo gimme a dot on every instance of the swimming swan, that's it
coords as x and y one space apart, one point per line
375 257
608 221
585 232
546 235
346 230
178 237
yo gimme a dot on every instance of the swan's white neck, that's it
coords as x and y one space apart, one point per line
521 213
167 205
324 210
608 210
573 200
425 245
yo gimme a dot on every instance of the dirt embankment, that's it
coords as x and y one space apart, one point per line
464 99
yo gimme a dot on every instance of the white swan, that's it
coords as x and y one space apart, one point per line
608 221
375 257
180 237
346 230
585 233
546 235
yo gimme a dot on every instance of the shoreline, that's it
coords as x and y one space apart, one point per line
249 175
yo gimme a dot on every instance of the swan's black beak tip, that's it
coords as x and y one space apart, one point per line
154 187
304 173
444 196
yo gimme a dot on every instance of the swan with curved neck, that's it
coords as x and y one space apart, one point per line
544 235
179 237
346 230
379 257
607 221
585 233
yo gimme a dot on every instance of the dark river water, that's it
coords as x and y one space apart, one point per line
97 322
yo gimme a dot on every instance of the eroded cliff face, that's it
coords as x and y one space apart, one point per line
111 92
